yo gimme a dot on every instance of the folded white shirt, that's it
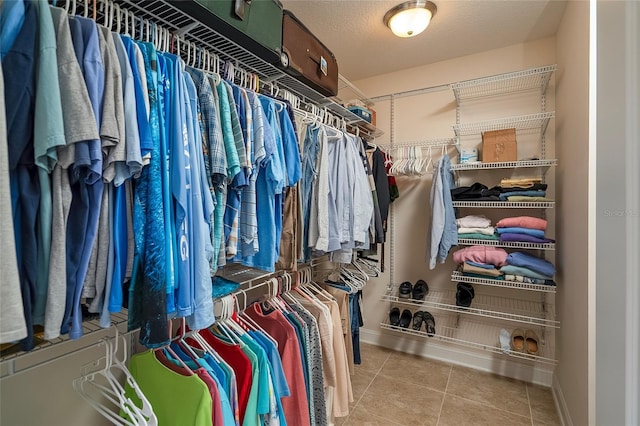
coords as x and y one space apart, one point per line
485 231
473 221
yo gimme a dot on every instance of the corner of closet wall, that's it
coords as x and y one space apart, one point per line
431 116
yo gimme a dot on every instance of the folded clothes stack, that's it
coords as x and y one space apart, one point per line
523 229
523 267
529 189
526 189
476 227
481 261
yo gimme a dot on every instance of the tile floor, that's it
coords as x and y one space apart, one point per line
394 388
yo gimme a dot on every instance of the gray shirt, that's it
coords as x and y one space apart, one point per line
79 125
12 323
112 131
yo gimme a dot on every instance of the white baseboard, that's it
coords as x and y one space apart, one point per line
540 374
561 404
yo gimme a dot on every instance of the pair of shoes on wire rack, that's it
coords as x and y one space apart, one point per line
429 322
525 341
398 319
416 292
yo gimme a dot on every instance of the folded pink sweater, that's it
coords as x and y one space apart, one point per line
523 222
481 254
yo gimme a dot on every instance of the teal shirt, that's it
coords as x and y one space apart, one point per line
233 162
251 415
268 401
48 134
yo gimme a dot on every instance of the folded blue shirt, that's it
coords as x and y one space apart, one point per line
481 265
505 195
519 230
525 272
533 263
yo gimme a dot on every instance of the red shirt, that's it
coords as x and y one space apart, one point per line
240 364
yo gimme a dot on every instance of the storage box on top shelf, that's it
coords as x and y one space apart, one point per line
361 112
499 146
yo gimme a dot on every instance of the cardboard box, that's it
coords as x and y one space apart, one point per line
499 146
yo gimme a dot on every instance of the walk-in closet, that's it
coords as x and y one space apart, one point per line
319 212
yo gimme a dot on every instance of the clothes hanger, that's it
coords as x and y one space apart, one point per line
221 327
118 17
234 325
83 385
113 393
133 25
182 344
147 409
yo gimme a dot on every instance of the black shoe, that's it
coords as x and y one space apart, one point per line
417 320
429 323
394 317
404 292
464 294
420 290
405 318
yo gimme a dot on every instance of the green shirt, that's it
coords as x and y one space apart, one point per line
176 399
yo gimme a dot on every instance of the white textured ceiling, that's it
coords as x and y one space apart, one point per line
353 30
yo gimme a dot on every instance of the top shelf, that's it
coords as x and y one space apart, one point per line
189 18
513 82
520 123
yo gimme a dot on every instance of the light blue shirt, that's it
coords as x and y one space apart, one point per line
450 231
270 180
202 211
165 67
181 189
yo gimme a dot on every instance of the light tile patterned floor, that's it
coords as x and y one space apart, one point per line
394 388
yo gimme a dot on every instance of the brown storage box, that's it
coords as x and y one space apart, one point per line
499 146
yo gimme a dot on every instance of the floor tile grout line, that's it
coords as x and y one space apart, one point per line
371 382
529 401
489 405
444 395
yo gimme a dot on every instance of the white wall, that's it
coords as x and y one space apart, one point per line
431 116
572 136
616 214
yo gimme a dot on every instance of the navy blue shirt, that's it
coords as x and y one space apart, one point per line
18 67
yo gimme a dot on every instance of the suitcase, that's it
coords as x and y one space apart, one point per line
255 25
306 58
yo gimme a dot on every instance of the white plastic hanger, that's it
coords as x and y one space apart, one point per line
133 25
147 409
88 386
118 17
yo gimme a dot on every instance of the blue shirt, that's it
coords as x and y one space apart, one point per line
18 67
450 232
181 189
11 20
148 285
164 105
279 379
87 186
202 211
144 129
290 147
270 179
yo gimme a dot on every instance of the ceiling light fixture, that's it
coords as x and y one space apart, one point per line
410 18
